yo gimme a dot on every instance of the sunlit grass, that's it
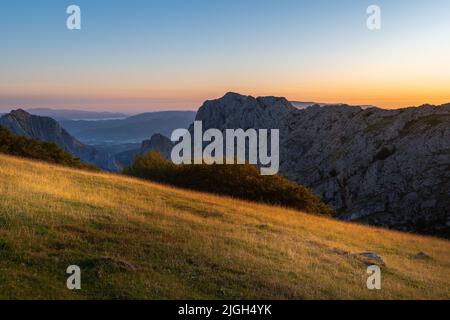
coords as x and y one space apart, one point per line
135 239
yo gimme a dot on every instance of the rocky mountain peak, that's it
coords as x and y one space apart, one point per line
232 98
20 114
384 167
157 142
235 110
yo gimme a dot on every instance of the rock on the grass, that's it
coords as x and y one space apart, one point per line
371 258
421 255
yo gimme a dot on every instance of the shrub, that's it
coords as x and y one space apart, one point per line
240 180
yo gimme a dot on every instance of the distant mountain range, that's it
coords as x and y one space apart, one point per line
133 129
62 114
304 105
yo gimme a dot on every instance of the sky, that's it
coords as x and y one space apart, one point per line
144 55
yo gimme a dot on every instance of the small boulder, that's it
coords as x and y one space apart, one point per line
422 255
370 258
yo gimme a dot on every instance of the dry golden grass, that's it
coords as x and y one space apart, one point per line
135 239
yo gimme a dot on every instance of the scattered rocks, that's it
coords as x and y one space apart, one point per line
422 256
371 258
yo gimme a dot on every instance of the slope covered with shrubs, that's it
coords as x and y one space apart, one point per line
45 151
239 181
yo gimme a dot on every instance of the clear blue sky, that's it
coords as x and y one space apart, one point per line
167 54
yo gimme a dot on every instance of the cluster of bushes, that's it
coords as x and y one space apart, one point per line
45 151
240 181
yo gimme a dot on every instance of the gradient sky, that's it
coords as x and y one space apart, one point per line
173 54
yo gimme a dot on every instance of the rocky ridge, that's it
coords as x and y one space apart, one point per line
384 167
47 129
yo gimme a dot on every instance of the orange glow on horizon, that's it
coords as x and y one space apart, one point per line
145 97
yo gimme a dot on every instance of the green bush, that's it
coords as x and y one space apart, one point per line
240 181
45 151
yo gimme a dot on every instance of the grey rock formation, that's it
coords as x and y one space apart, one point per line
422 256
157 142
235 111
370 258
384 167
24 124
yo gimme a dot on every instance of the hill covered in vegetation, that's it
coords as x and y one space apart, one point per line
139 240
242 181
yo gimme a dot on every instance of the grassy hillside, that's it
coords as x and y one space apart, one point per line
135 239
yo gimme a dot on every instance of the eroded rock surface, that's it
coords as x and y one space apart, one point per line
384 167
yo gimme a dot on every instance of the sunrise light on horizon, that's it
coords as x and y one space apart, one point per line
161 55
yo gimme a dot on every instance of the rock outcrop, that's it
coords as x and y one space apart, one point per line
371 258
157 142
384 167
47 129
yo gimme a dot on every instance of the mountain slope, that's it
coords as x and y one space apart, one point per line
19 146
24 124
135 239
385 167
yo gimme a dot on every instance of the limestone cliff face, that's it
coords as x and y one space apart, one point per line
235 111
384 167
159 143
24 124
